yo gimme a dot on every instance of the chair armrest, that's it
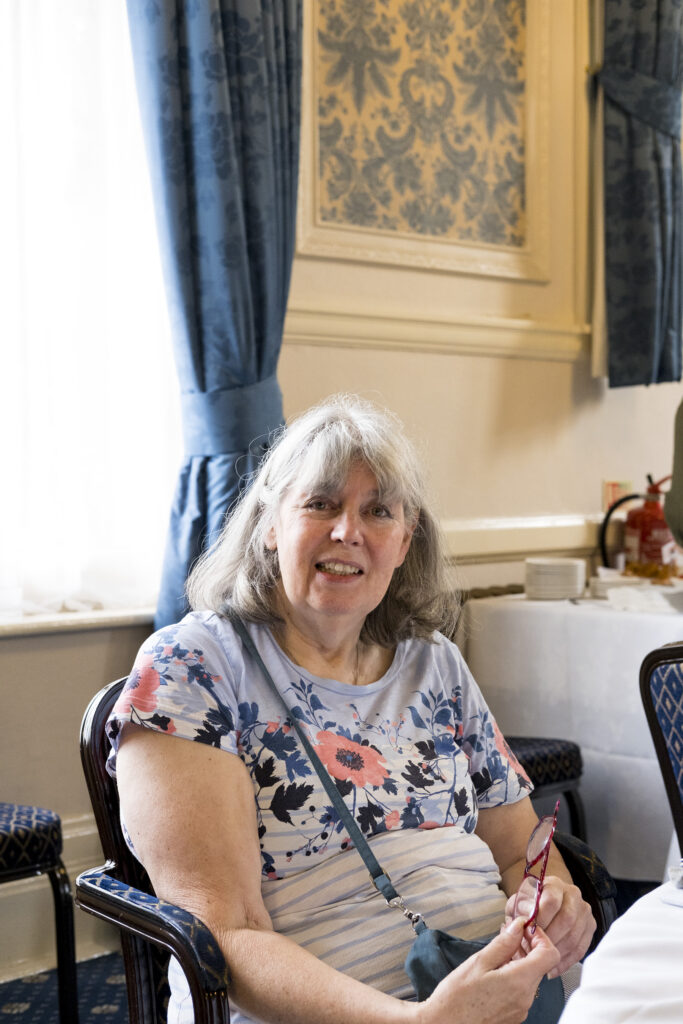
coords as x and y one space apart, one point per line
592 878
100 893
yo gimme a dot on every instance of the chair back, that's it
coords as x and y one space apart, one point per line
145 964
661 690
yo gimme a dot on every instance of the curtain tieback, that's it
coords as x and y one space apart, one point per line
227 421
648 99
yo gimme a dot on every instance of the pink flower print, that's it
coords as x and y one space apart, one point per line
140 690
392 819
505 751
346 760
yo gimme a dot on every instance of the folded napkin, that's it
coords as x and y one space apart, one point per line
639 598
670 893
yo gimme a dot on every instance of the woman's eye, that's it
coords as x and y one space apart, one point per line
317 504
380 512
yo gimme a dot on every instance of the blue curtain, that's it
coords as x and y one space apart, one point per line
642 78
219 85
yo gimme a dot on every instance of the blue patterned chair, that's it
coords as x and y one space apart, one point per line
120 892
31 844
661 690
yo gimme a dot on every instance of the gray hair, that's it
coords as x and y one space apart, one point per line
318 449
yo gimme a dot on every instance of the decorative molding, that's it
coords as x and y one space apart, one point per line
490 336
529 262
482 540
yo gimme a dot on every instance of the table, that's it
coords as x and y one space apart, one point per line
635 973
570 670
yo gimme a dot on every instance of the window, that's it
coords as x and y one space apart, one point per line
89 413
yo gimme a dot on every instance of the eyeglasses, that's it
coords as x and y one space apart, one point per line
538 849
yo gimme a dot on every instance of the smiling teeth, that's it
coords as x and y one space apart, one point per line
338 569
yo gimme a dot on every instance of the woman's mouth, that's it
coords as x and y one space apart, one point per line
338 569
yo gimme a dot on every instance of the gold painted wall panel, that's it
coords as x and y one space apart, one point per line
421 118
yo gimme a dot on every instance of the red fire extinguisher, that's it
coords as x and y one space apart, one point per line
647 539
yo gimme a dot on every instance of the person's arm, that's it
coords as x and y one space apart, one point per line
190 812
563 914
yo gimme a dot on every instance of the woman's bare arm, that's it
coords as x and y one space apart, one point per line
190 812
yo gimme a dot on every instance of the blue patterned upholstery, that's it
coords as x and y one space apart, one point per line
554 766
31 844
661 688
30 838
666 685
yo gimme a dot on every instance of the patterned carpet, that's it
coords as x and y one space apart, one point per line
101 995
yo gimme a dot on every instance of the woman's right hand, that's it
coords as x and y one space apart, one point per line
496 985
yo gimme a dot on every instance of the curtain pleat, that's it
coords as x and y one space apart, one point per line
641 81
219 85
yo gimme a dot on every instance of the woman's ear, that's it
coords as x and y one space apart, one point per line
270 538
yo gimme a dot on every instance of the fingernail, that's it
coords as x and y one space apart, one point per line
515 925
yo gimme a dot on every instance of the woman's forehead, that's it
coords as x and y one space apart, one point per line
335 478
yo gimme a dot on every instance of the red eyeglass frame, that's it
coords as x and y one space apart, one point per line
542 855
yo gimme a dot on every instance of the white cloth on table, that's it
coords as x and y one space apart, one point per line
554 668
635 976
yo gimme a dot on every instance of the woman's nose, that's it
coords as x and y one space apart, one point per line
347 528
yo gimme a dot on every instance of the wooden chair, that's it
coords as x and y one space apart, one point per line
151 929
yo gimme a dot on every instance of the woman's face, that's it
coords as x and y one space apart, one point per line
338 549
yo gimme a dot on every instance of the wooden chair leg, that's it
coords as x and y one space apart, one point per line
66 944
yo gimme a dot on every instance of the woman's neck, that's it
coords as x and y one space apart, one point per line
342 657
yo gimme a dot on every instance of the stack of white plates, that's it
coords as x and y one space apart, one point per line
553 579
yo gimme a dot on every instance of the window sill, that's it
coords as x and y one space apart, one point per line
72 622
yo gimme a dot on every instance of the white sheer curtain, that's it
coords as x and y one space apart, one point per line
89 422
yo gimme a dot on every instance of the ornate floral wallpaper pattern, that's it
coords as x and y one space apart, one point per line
421 127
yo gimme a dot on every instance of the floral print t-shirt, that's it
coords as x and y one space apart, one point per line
414 755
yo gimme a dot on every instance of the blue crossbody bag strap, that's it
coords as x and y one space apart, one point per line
380 879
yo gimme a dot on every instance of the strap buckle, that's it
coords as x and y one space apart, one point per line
398 904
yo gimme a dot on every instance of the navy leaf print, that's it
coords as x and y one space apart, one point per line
411 815
279 742
389 786
367 815
297 765
414 776
427 749
210 734
248 714
289 798
345 786
461 802
417 721
444 744
265 773
162 721
443 717
482 781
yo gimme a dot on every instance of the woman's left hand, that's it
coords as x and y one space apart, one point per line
566 919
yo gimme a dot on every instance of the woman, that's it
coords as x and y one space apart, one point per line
336 565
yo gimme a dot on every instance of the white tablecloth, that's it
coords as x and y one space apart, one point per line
636 973
554 668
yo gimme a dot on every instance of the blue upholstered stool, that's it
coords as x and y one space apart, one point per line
555 767
31 844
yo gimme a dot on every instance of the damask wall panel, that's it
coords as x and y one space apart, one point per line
421 117
424 134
